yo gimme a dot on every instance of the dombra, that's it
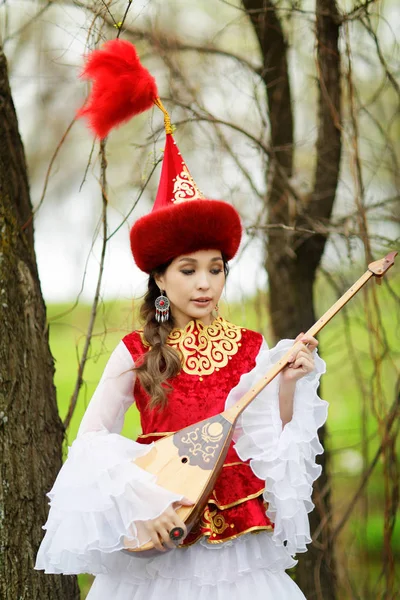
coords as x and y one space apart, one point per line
188 462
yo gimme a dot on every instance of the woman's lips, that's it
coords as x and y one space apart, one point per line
201 301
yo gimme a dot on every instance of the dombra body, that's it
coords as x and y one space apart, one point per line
188 462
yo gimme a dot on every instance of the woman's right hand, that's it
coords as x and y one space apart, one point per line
160 527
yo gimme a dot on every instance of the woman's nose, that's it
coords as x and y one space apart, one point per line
203 282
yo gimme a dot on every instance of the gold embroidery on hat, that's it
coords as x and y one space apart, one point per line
205 348
185 187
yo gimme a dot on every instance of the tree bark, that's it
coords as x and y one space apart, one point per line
31 432
292 259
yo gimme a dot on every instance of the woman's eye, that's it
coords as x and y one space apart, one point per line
216 271
187 271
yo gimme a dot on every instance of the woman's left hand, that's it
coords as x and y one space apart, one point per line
301 361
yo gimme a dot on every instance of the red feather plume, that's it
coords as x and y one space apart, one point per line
122 87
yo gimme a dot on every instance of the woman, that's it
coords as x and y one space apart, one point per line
186 365
99 493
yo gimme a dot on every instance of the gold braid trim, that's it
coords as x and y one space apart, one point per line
232 504
256 529
159 434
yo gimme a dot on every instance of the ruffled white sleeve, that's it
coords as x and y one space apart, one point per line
100 496
285 458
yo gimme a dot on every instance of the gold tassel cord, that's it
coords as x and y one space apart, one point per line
167 119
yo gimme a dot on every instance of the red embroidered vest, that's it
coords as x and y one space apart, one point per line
213 359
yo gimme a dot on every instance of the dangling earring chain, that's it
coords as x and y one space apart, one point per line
162 308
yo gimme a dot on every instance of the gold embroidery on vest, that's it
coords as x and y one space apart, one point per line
205 348
212 520
253 530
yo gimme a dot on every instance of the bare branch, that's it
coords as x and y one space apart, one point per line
366 22
358 11
18 32
93 313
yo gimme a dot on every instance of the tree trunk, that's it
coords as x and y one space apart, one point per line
31 432
316 570
292 259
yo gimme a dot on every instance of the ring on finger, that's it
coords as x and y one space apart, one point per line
176 534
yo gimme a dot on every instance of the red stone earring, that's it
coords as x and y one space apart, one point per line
162 308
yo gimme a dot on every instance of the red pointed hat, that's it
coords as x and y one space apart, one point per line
182 220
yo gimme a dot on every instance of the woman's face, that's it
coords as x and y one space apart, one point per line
193 284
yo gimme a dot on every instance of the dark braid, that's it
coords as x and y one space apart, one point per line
161 362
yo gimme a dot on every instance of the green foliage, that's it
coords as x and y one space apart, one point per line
67 337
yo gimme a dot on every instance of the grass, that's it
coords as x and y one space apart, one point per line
340 387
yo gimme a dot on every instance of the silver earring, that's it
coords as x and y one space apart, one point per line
162 308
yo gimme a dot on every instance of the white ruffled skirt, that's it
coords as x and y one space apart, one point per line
251 567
